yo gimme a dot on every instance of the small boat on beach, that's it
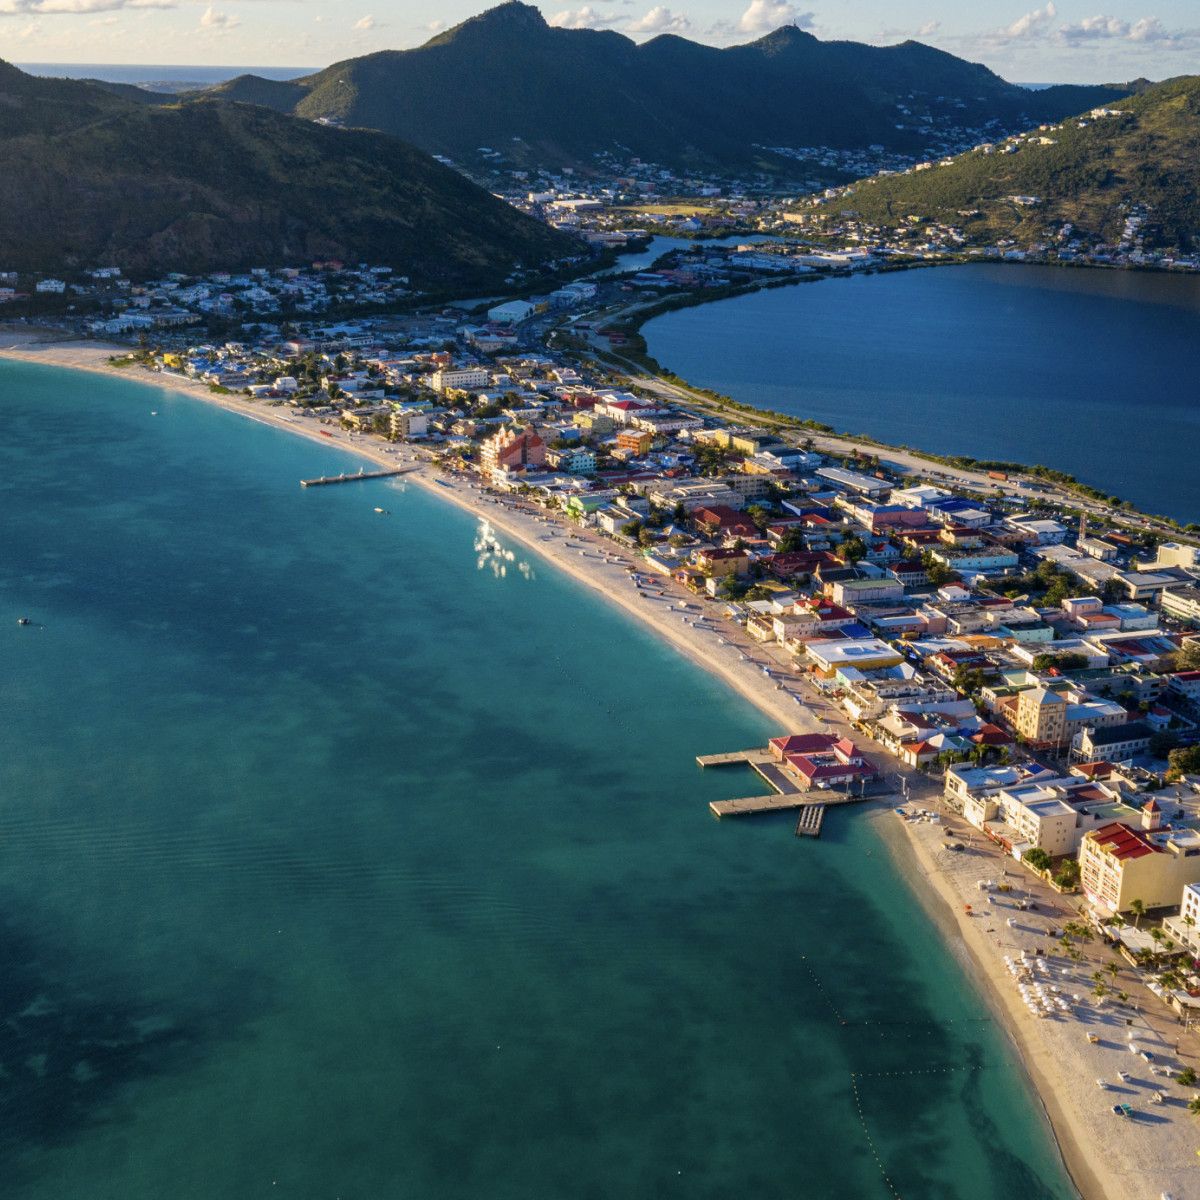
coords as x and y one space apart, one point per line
1093 1038
1123 1110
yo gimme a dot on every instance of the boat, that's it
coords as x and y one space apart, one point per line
382 511
1123 1110
1123 1076
23 621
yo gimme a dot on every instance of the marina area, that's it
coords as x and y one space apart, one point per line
786 795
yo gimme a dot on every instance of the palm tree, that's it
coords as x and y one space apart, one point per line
1139 911
1114 969
1194 1104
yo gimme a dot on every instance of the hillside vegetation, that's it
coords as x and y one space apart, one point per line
508 81
90 177
1093 172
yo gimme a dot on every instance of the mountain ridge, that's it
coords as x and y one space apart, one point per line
540 94
91 177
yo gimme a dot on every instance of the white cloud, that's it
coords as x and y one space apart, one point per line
1150 29
764 16
580 18
217 21
1100 27
929 29
15 8
364 23
1032 23
660 19
1095 27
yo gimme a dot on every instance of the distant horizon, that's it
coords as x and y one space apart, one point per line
140 74
1063 40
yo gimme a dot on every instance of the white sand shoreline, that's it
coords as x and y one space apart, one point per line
1108 1159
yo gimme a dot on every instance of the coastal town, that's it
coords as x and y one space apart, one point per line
600 601
1035 648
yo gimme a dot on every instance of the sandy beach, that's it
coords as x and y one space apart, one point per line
1109 1158
597 563
1153 1154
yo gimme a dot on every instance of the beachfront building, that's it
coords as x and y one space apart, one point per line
408 422
1053 815
1119 864
1185 928
865 654
963 781
822 760
513 450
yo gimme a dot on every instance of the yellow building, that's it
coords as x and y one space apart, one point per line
1042 716
1119 864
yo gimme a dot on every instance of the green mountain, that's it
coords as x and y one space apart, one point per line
1142 159
89 176
508 81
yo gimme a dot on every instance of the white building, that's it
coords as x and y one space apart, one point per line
511 313
409 422
1040 531
464 379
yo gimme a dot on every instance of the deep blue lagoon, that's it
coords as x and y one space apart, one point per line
1092 372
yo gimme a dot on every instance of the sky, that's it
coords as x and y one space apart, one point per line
1028 41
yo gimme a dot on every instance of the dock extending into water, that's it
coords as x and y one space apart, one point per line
786 794
355 477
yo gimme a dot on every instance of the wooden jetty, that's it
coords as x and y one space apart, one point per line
355 477
809 823
786 794
737 759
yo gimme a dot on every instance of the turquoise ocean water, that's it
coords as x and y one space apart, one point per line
1092 372
339 858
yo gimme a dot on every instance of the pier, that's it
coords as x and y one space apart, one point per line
809 823
786 794
355 477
